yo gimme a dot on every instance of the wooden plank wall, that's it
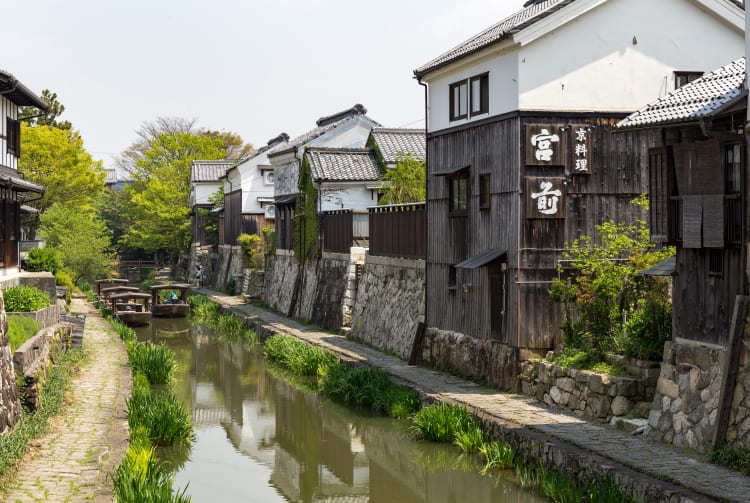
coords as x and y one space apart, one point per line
488 149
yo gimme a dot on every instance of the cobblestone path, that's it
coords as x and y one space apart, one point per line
73 462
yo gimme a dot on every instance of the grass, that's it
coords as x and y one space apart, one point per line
159 414
155 361
229 328
21 329
297 357
442 422
33 425
732 457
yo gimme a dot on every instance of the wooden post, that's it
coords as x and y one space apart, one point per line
730 365
416 347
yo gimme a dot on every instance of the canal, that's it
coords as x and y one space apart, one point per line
260 438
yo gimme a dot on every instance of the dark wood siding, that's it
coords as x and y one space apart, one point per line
399 230
232 217
200 235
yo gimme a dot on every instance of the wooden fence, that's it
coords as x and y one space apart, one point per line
399 230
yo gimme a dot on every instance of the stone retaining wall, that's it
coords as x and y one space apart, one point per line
44 281
598 397
10 403
33 357
470 357
48 316
318 291
389 304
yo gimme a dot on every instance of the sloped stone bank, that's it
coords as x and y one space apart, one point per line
10 403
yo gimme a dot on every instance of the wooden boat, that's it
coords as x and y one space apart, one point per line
106 293
108 282
131 308
170 301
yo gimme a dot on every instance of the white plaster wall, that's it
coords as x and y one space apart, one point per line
350 196
204 190
249 177
503 87
7 109
593 63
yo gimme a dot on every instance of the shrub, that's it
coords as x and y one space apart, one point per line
647 329
269 240
21 329
43 259
24 299
252 245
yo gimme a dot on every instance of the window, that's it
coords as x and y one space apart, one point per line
13 136
459 194
452 283
733 191
484 192
682 78
715 262
469 97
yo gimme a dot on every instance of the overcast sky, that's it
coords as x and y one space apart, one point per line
253 67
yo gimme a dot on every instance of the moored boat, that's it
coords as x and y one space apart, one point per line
131 308
170 301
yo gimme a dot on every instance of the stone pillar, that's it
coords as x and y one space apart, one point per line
10 404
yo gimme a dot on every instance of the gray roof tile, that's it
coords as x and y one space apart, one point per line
393 143
210 171
495 33
342 164
699 99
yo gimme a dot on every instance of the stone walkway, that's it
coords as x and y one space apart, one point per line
679 475
73 462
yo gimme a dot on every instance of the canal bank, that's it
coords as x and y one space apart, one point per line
657 471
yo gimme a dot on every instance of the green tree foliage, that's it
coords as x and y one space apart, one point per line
112 208
33 116
606 289
43 259
56 159
82 240
159 198
406 183
210 218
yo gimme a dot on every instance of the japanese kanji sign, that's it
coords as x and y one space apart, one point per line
545 197
580 139
546 145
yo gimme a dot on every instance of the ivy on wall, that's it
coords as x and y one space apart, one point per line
306 216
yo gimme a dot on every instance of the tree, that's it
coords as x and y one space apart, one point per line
159 198
33 116
56 159
82 240
406 183
210 218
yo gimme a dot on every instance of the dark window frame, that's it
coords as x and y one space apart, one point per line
13 136
484 191
683 78
732 166
716 262
458 206
456 112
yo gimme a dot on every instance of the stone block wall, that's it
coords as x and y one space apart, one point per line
229 266
592 396
389 303
44 281
685 408
470 357
47 317
10 403
738 430
33 357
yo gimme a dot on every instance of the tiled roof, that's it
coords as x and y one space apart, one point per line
209 171
393 143
342 164
328 123
495 33
110 176
15 91
700 98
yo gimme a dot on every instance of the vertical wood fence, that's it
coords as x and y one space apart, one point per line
399 230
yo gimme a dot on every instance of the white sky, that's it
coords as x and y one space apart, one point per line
253 67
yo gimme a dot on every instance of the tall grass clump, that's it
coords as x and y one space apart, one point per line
229 328
141 477
369 387
298 357
32 425
442 422
159 413
155 361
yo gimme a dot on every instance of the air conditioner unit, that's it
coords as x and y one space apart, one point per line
268 177
271 211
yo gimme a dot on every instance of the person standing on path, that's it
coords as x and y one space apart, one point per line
74 460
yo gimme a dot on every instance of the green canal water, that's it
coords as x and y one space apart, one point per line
262 439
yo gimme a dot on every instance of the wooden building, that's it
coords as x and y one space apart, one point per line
521 158
697 187
14 191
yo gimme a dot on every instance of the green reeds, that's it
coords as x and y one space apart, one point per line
155 361
159 414
442 422
369 387
229 328
297 357
141 477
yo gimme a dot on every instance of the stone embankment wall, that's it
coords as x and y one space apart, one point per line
389 304
31 359
593 396
320 291
47 317
10 403
44 281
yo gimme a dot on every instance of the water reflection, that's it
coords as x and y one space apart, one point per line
262 439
